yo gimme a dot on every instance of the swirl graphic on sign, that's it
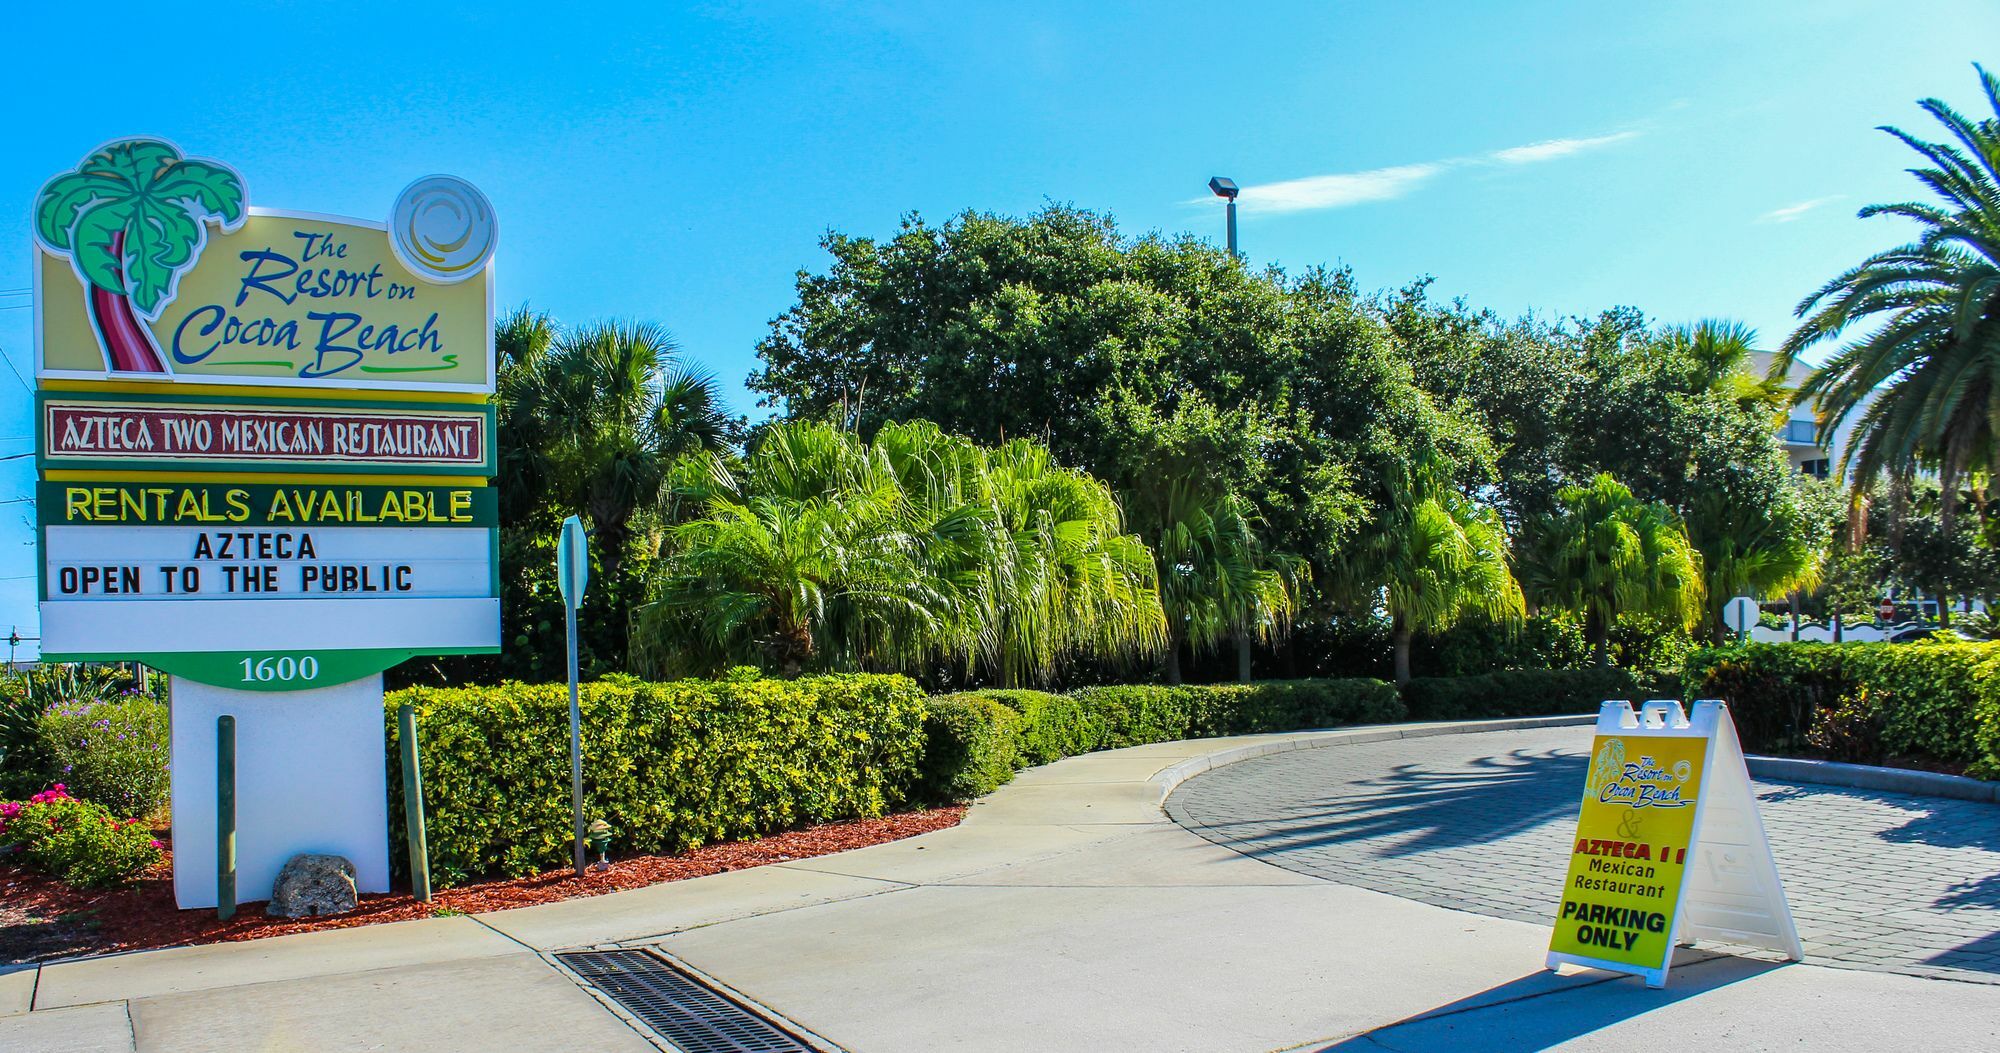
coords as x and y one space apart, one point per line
443 229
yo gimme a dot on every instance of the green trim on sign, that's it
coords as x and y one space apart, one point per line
227 668
487 468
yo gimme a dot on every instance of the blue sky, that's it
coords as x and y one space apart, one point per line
677 163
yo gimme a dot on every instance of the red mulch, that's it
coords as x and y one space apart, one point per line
41 917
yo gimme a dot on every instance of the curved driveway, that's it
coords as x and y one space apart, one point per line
1482 822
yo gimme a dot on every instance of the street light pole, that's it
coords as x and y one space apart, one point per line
1226 189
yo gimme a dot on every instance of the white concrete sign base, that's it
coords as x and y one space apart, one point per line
310 777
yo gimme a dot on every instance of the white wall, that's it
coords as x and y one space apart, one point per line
310 777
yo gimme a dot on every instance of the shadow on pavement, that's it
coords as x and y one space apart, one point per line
1416 809
1543 1009
1980 955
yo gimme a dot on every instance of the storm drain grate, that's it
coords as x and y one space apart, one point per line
692 1015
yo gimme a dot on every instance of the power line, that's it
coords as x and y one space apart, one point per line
11 368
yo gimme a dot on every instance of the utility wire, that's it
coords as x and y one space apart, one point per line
12 368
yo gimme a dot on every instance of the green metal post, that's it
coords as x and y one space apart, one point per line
225 817
413 803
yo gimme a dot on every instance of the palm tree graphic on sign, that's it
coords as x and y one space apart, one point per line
131 218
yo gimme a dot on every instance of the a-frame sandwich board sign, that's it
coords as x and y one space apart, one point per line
1670 847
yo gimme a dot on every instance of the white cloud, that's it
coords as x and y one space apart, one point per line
1550 149
1792 212
1341 189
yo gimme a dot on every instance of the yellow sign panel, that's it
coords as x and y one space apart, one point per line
306 301
151 266
1631 848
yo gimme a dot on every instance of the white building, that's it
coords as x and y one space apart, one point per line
1796 434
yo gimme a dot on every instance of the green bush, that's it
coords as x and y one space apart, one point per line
669 765
26 763
976 739
971 747
1049 727
1930 703
80 842
1292 705
113 752
24 760
1986 680
1519 693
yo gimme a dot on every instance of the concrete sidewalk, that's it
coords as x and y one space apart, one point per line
1067 912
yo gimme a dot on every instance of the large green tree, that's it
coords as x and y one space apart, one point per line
1920 376
1142 361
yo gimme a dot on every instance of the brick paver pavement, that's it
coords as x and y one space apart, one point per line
1482 823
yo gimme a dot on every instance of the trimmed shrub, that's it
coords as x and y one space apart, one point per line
1292 705
671 766
971 747
1929 703
977 738
80 842
113 752
1519 693
1050 727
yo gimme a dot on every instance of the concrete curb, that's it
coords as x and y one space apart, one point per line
1869 777
1169 778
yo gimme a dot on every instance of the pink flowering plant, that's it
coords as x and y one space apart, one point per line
80 842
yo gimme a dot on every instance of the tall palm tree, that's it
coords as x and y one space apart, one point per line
1063 578
613 408
1766 557
130 219
1217 577
1924 376
1605 553
1444 558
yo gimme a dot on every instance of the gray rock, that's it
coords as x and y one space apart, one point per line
311 885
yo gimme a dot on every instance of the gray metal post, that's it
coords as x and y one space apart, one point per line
225 817
575 741
1231 209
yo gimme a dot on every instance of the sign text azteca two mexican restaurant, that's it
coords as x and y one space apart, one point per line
264 436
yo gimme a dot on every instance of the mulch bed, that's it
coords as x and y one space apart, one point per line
41 918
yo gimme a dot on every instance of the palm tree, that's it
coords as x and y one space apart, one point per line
821 551
1721 353
1217 578
1925 375
1444 558
130 219
1063 578
1605 553
612 408
1765 557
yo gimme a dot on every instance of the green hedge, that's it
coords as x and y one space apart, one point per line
1519 693
977 739
669 765
1928 703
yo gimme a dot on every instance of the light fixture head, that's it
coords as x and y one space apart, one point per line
1224 187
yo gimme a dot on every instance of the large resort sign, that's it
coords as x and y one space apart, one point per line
152 265
264 436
